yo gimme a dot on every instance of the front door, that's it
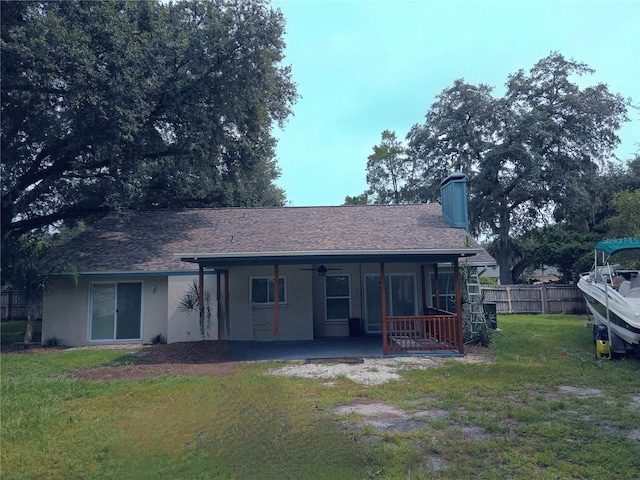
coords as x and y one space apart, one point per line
401 298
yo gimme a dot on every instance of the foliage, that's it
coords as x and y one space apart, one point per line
568 245
387 171
158 339
488 281
532 157
357 200
562 246
51 342
190 302
532 413
29 270
626 221
111 105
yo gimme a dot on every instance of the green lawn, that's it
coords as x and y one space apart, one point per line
534 413
14 331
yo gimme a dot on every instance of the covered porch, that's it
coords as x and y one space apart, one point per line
434 330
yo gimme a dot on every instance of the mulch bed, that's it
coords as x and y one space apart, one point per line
198 359
206 351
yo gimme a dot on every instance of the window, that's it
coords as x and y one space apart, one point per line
116 311
447 287
262 290
338 297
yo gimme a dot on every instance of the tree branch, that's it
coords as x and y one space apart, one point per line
20 227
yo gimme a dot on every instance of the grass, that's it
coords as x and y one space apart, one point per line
14 331
534 413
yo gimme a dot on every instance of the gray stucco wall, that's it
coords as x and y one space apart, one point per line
185 326
255 322
66 310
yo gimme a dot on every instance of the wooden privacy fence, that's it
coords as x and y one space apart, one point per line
14 307
535 298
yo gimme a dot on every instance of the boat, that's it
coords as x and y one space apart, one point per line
612 294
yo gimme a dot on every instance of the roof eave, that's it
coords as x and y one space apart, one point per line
333 256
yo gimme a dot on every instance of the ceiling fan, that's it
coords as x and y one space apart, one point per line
322 270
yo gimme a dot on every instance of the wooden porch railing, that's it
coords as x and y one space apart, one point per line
441 331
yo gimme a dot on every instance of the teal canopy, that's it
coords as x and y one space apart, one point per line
615 245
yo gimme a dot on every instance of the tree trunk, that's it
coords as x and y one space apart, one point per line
503 256
28 333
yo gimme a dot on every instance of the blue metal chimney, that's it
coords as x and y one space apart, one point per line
453 197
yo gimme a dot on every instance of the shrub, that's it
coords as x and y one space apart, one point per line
51 342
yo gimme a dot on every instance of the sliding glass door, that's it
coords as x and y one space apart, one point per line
401 298
116 311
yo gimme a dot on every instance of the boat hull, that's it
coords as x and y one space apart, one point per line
623 318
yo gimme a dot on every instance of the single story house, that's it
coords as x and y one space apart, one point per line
287 273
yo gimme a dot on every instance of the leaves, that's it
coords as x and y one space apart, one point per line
109 105
388 175
626 221
532 157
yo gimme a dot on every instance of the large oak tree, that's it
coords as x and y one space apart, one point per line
138 104
531 156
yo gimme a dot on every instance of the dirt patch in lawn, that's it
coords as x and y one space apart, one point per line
199 359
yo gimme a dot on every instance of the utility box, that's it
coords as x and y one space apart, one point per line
355 327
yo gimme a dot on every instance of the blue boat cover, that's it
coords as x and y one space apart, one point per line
617 244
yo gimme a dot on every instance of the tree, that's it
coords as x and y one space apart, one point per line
30 272
564 247
361 199
626 221
126 104
531 157
387 172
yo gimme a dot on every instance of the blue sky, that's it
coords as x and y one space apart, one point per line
365 66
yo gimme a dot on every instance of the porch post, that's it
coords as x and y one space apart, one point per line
459 333
383 294
276 300
423 290
201 293
227 326
219 306
436 278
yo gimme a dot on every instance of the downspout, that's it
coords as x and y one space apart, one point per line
276 300
383 301
459 336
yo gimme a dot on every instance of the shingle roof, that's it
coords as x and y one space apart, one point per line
150 241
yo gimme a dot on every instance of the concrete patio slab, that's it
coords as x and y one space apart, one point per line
369 346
